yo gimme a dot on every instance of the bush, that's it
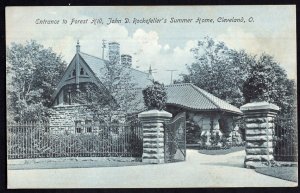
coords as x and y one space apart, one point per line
193 132
155 96
35 141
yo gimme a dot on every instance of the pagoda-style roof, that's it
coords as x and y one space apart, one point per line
191 97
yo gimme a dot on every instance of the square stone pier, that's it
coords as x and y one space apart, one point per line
259 117
153 135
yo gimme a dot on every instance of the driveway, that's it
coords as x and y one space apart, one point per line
198 171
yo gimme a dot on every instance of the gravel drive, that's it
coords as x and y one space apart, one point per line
198 171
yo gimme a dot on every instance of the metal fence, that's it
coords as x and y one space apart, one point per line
285 141
41 140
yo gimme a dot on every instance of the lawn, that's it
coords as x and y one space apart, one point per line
221 151
285 173
71 163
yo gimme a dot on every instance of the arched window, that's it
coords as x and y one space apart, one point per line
74 72
81 71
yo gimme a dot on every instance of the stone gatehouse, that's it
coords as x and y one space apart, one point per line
85 75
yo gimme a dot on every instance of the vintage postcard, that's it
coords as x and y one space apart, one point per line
151 96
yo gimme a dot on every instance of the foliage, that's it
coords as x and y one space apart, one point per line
34 141
193 132
135 145
155 96
285 141
118 92
217 150
88 93
219 70
238 78
266 81
32 74
215 138
171 144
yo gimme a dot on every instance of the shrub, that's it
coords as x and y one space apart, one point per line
215 138
193 132
34 141
155 96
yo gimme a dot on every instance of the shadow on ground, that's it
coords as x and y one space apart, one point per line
225 164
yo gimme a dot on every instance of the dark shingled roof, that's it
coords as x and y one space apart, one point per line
139 78
191 97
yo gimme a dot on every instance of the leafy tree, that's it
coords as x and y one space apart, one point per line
238 78
32 74
119 97
268 81
219 70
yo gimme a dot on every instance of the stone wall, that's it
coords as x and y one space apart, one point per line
64 117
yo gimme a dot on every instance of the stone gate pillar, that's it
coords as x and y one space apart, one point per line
259 117
153 135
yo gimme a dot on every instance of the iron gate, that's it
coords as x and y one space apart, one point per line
175 139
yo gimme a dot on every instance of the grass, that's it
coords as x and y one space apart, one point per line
221 151
285 173
72 164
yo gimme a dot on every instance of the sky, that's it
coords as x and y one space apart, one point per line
164 46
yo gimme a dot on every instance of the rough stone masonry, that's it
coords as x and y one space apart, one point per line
153 135
259 117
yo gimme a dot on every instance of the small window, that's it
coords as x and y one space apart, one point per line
89 130
78 127
78 130
88 126
81 71
74 73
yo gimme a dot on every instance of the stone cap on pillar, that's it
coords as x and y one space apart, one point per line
154 116
155 113
259 107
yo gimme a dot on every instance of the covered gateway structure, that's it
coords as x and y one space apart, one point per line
205 112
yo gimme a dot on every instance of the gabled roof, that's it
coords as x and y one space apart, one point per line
139 78
191 97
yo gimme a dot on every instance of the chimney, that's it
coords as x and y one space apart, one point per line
114 52
126 60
